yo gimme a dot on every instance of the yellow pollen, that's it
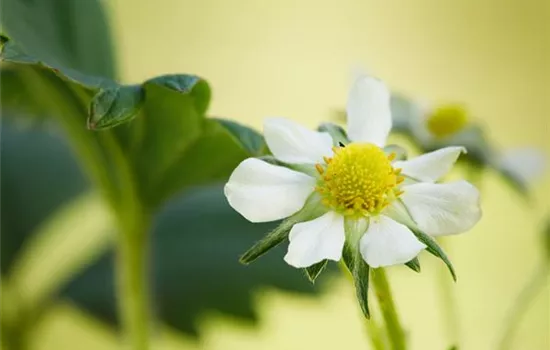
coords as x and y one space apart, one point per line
447 120
359 180
319 168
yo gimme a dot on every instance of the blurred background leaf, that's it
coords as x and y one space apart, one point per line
28 199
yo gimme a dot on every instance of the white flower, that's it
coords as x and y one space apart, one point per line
359 185
437 125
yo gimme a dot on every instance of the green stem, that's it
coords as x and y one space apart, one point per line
387 306
132 284
371 327
448 301
513 319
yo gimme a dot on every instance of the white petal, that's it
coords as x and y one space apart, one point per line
431 166
525 164
368 109
388 242
443 209
264 192
292 143
316 240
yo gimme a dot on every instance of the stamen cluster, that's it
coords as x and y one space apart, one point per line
358 180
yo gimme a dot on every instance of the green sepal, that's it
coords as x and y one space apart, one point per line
271 240
311 210
348 257
360 271
337 133
414 265
434 249
272 160
313 271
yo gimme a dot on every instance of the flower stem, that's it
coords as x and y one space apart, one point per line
388 309
448 301
371 327
133 286
511 323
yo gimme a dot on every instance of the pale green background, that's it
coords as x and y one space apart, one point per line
294 59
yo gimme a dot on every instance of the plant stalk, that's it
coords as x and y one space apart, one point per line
372 329
387 307
448 301
526 296
133 287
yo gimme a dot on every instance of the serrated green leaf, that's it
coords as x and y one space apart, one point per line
114 106
414 265
187 84
252 141
315 270
434 249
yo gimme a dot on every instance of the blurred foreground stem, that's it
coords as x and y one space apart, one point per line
387 307
132 284
513 319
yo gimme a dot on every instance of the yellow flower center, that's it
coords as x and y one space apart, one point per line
447 120
359 180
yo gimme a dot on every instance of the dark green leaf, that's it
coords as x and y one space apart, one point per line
72 34
251 140
169 143
434 249
315 270
39 175
414 265
187 84
200 163
114 106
